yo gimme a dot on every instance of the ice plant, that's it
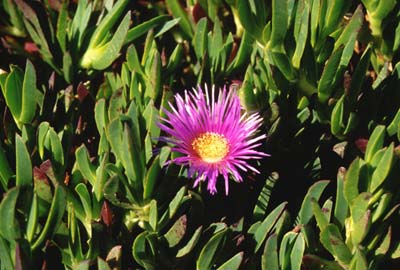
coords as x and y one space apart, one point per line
213 135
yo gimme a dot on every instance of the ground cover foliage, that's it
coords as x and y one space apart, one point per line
83 178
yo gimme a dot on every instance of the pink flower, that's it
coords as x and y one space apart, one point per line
212 135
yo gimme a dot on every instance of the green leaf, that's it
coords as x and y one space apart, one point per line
215 43
176 232
167 26
341 206
101 57
247 96
102 265
42 186
135 115
279 24
42 132
252 15
54 217
269 258
141 29
153 215
103 29
395 253
296 255
301 31
114 133
56 150
361 217
117 105
359 261
287 243
382 75
84 165
190 244
382 9
62 26
133 61
173 206
177 11
151 178
263 199
3 78
13 91
334 13
32 24
10 229
80 22
359 74
321 219
175 59
243 52
352 27
385 244
5 255
23 163
282 62
326 83
33 219
267 225
346 56
337 121
101 178
100 115
153 70
375 142
15 17
383 169
5 170
200 38
315 13
149 46
83 265
130 158
394 125
352 123
233 263
141 251
207 255
350 189
332 240
28 102
68 67
396 43
383 206
314 192
86 200
151 117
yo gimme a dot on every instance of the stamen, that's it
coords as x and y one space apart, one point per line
211 147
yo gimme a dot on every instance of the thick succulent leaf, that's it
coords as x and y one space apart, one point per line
207 255
23 164
28 102
314 193
54 217
375 142
332 240
190 245
9 230
265 227
269 259
233 263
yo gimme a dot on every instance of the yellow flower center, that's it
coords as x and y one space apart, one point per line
211 147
